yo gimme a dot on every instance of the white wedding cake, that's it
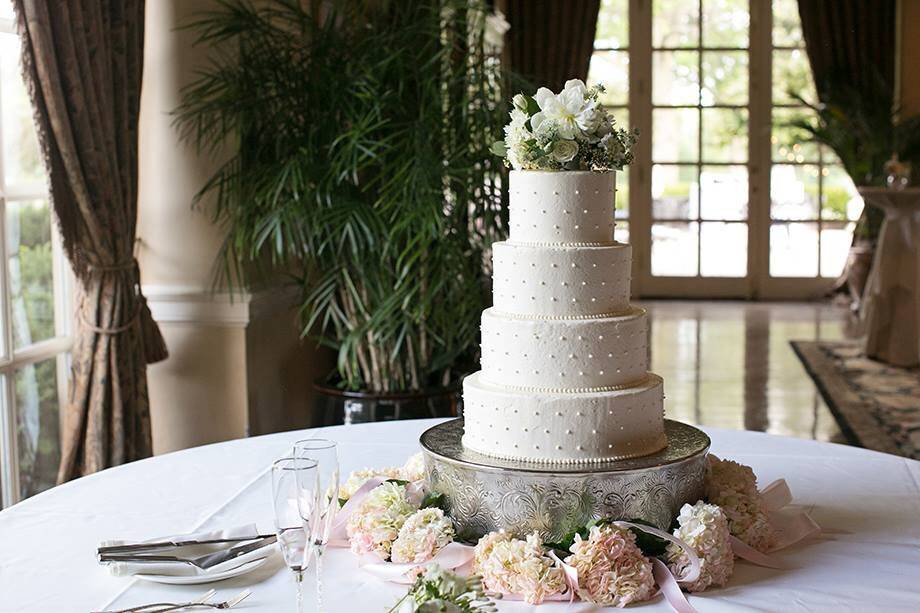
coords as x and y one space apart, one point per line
564 374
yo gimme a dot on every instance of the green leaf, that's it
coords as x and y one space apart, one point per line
434 500
397 482
650 544
499 148
532 107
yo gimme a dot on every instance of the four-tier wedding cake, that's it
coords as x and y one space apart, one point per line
564 356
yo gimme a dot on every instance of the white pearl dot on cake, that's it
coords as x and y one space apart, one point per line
578 414
554 265
593 431
568 431
574 265
594 265
542 282
555 227
525 429
609 355
558 413
561 338
590 356
593 299
600 372
565 211
571 356
574 299
609 445
577 192
583 283
600 337
558 447
577 226
578 447
545 430
581 373
580 337
564 284
585 211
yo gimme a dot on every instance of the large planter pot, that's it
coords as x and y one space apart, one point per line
334 406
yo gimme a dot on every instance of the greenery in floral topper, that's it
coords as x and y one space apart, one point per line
565 131
360 134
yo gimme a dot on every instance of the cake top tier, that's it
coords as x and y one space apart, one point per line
562 207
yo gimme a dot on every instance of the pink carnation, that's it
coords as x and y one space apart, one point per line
611 569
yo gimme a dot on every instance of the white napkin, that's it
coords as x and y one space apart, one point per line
123 569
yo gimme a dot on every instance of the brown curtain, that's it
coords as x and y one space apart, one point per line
852 38
550 41
82 63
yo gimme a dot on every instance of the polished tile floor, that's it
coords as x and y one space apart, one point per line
729 364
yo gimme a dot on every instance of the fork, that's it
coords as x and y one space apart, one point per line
162 607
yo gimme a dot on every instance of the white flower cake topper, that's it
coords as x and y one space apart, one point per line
566 131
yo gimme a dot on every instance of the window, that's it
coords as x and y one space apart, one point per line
725 198
34 290
610 65
813 202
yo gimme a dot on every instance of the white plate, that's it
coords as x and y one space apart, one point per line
242 569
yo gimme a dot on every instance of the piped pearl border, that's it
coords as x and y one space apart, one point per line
659 443
631 311
563 244
573 390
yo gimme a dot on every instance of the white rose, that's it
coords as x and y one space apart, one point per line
565 151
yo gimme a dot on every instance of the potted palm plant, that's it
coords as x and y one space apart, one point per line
360 132
864 128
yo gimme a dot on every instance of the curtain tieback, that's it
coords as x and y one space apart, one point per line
125 266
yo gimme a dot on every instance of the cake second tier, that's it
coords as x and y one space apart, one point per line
569 355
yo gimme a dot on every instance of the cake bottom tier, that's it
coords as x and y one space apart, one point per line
563 428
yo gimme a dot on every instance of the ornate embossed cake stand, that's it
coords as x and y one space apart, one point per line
484 493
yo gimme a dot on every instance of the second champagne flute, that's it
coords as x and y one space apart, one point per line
324 453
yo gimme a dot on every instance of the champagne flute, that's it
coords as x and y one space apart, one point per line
295 494
323 452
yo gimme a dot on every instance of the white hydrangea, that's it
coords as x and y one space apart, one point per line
414 468
733 487
514 566
423 535
704 527
376 523
359 477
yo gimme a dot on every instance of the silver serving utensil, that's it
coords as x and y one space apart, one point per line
163 607
203 562
136 547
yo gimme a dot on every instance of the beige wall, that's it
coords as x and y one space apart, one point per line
910 57
237 365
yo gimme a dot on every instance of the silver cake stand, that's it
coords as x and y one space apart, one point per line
484 494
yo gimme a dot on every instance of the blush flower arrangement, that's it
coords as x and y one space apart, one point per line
608 562
570 130
612 570
513 566
704 527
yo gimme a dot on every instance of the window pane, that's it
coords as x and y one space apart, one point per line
675 23
29 261
723 249
840 200
790 143
621 232
21 161
675 78
725 136
38 426
675 135
792 75
612 69
725 78
612 25
794 192
622 197
787 29
835 248
724 192
725 23
674 192
794 250
674 249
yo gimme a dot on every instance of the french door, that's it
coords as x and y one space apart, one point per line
723 198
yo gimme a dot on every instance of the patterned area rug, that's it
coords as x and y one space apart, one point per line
876 405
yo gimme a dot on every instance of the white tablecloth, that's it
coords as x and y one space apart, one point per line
47 543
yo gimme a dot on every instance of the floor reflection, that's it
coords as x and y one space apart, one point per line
729 364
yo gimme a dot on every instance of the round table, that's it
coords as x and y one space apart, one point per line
48 542
891 301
